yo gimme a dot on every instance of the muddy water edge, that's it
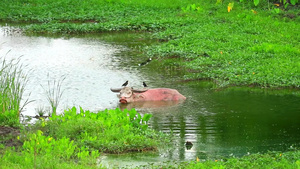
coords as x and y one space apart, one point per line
215 122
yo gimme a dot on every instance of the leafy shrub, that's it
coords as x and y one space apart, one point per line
111 131
9 118
40 151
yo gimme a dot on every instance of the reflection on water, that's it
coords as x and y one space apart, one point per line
152 105
231 122
218 123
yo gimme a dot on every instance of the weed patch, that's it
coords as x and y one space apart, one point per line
76 139
40 151
110 131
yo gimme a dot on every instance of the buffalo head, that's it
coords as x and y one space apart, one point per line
127 94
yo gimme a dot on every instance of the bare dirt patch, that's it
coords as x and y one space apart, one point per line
8 136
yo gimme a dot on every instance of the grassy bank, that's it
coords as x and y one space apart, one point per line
250 45
77 138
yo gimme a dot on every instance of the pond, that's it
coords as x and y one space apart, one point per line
218 122
89 65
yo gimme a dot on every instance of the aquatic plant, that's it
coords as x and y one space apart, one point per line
54 93
12 86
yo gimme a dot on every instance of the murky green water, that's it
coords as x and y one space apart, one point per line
219 123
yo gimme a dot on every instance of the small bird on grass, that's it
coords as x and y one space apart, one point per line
125 84
144 84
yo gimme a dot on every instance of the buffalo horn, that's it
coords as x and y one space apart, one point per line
116 89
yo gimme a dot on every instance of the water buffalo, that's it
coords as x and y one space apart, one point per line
128 94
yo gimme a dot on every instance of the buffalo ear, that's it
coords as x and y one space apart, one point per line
115 89
139 90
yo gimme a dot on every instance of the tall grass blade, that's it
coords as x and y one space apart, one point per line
12 86
54 93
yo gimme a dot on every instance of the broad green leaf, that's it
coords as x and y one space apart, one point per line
293 2
147 117
286 5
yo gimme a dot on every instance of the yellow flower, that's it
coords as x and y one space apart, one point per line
197 159
216 160
230 6
254 11
253 73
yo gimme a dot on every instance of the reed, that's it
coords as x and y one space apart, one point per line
54 93
12 86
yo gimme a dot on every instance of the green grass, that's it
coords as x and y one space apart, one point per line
236 48
77 138
54 93
40 151
12 86
247 46
110 131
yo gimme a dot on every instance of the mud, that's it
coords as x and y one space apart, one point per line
8 136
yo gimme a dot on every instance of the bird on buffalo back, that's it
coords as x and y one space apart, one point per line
125 84
144 84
